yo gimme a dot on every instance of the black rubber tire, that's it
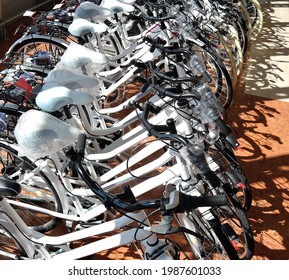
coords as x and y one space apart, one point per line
215 244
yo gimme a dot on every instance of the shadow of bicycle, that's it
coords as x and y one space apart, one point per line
260 118
268 64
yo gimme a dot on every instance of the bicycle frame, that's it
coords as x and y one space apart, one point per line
97 246
90 118
132 138
33 240
178 174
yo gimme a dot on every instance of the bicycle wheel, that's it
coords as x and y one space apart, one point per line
207 240
37 190
10 248
236 227
256 15
231 40
229 171
242 34
234 222
220 48
212 243
36 51
232 219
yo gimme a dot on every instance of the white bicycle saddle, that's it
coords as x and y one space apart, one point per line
88 10
118 6
127 1
53 97
67 78
77 56
80 27
40 134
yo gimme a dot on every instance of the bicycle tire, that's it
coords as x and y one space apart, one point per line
242 34
37 190
223 52
255 12
225 97
231 214
234 222
226 244
215 245
231 172
237 228
231 40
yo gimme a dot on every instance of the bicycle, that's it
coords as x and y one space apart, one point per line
219 81
168 205
151 166
110 152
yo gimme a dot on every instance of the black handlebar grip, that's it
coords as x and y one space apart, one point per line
180 202
188 202
214 200
146 110
81 143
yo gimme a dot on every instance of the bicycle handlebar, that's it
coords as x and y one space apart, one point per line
152 18
160 44
180 202
177 201
160 131
81 142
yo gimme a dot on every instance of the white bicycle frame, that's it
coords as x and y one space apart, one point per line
90 119
33 239
169 175
129 139
34 242
139 189
179 174
134 137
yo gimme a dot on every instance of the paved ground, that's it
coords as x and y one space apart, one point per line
260 115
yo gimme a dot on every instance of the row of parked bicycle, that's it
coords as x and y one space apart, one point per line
106 102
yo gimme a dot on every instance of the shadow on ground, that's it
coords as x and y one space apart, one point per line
260 120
